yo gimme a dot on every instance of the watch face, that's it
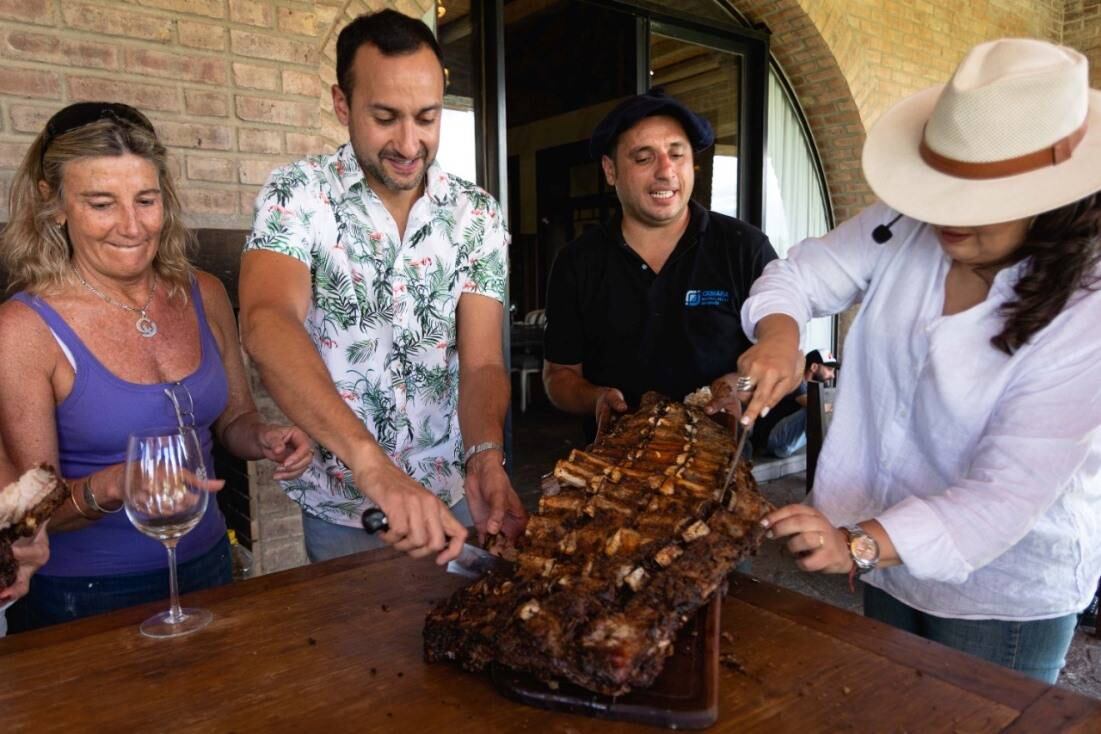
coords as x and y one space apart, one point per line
864 549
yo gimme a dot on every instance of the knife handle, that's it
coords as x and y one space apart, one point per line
375 520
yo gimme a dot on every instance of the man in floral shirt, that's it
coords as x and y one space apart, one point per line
371 302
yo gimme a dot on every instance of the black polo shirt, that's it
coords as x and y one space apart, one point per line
673 331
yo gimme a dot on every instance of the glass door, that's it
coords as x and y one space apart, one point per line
458 153
708 81
721 76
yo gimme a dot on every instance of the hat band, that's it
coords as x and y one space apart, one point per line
1053 155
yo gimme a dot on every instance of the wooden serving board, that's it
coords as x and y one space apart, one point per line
684 696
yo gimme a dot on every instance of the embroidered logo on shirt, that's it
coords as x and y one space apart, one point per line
692 299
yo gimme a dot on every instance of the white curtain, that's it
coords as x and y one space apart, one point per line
795 205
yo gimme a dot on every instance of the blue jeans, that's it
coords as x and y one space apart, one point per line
1037 648
56 599
325 540
788 435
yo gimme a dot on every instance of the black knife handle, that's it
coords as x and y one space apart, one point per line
375 520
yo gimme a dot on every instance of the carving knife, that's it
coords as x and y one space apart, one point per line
473 562
726 496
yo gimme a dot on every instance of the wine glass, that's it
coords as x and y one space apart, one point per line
165 499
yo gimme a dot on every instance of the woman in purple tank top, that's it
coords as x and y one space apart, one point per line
112 332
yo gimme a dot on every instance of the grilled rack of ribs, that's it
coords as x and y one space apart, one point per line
635 538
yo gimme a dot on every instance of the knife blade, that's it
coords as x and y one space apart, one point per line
473 562
725 495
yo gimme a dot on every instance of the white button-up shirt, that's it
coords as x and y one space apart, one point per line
982 467
383 311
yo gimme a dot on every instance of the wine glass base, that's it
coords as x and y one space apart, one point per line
161 625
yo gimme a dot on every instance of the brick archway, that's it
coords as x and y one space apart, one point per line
823 90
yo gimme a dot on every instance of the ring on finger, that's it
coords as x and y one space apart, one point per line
745 383
821 539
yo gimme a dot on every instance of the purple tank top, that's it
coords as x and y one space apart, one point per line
94 423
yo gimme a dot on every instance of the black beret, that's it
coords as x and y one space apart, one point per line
654 102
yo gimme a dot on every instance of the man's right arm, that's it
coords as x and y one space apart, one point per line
275 296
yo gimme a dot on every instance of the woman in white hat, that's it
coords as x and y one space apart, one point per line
962 470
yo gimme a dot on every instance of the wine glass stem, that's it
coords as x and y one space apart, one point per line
175 614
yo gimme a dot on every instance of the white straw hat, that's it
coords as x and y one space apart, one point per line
1016 132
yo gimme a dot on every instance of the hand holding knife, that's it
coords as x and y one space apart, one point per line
473 562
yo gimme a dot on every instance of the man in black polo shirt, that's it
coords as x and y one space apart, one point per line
650 300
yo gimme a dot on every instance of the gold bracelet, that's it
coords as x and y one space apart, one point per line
76 505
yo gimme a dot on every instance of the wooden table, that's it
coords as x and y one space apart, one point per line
337 647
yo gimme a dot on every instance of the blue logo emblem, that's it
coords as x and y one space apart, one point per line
694 299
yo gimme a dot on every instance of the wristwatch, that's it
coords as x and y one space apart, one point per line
484 446
863 549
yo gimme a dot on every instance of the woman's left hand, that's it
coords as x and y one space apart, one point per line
816 544
287 446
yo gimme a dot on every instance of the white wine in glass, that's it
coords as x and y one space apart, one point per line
166 497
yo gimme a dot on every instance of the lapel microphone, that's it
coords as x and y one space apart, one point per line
882 233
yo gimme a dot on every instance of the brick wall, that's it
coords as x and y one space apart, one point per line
1082 30
849 60
234 87
237 87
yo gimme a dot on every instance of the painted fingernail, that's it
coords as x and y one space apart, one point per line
764 412
745 420
765 523
769 535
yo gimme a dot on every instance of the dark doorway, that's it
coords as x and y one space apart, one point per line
536 76
567 63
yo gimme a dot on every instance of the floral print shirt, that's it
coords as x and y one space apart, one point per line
383 311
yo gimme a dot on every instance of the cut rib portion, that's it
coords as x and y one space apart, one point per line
24 505
634 538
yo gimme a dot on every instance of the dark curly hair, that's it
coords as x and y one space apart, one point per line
1065 247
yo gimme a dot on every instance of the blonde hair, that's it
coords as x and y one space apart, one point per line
36 251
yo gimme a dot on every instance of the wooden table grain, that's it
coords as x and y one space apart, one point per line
337 647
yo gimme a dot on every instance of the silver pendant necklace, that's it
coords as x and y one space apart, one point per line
145 325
